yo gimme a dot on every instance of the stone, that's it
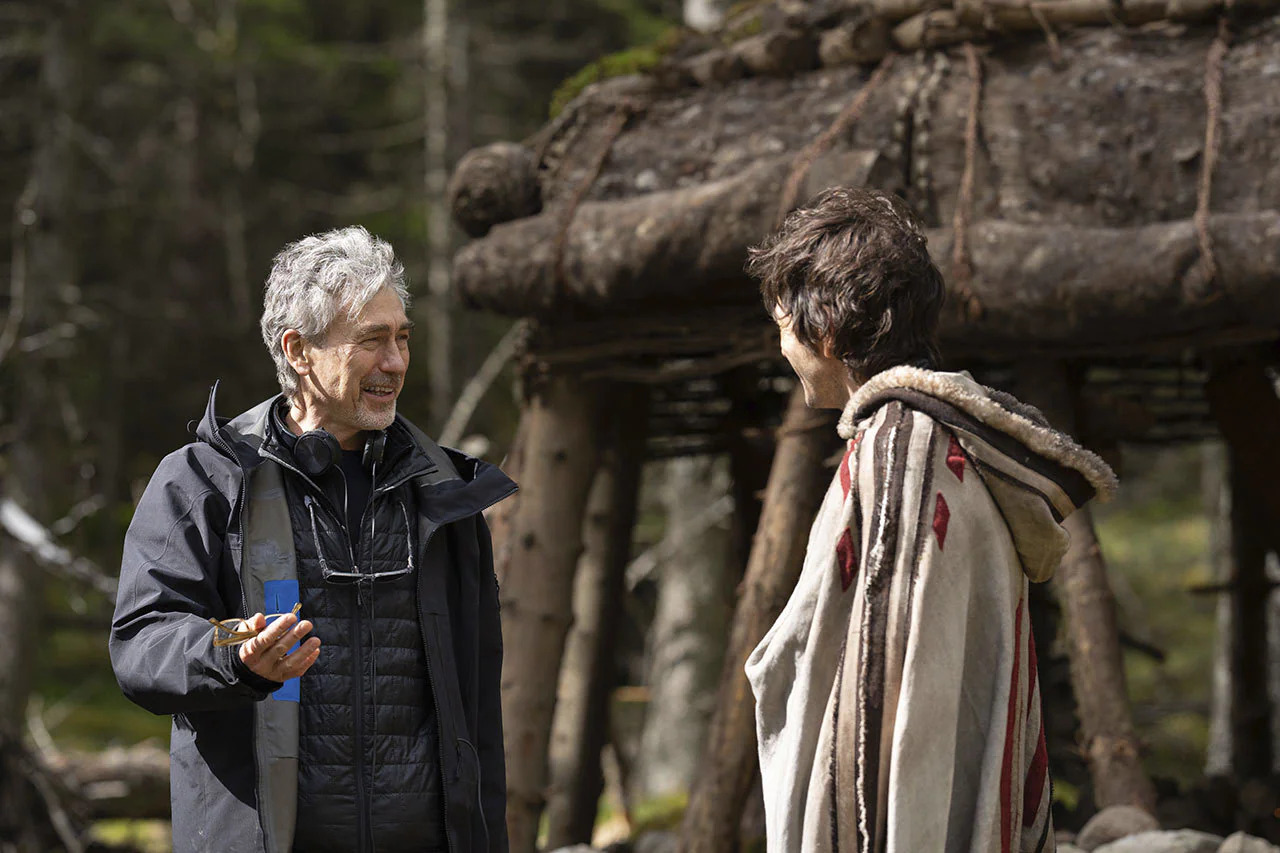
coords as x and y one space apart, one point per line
1112 823
862 42
780 53
656 842
1176 841
1241 843
716 67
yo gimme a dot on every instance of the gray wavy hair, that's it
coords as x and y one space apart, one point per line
314 278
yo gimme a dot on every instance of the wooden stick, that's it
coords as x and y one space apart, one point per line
837 129
961 263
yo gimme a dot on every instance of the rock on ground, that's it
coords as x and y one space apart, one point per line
1176 841
656 842
1112 823
1242 843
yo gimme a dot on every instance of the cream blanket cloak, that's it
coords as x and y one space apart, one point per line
898 707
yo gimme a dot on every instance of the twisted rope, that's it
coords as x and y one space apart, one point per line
1213 121
622 113
841 124
961 264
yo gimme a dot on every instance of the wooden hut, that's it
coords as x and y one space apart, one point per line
1102 183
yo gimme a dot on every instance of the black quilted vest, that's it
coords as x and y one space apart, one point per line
368 748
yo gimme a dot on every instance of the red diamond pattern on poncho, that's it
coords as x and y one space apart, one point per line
846 479
955 459
847 557
941 515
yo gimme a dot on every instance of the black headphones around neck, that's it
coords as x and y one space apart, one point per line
317 451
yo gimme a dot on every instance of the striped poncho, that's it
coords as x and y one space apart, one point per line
898 707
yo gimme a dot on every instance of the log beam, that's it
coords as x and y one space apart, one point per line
1052 285
544 535
118 782
797 481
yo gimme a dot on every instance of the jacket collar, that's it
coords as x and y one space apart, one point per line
451 485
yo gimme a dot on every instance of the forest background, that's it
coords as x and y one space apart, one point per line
153 158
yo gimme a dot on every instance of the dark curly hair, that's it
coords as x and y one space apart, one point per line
851 269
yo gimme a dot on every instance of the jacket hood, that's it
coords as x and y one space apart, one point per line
1037 475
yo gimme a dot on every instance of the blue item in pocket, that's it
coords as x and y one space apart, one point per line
280 597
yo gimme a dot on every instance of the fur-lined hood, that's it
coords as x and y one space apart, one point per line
1036 475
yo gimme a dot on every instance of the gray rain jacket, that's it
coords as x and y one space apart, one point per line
209 537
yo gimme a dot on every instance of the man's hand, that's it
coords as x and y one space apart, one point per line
268 653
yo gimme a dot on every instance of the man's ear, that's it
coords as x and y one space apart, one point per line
295 351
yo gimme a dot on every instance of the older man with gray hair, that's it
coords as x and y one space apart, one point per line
308 590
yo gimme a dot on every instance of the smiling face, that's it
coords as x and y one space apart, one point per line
349 381
826 380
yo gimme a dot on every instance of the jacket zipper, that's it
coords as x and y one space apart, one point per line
363 822
422 626
362 804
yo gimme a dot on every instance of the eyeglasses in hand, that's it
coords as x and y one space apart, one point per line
236 633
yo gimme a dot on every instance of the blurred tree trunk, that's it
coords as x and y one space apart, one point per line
797 481
130 783
1217 505
43 272
545 536
587 676
750 448
1097 667
1245 405
439 314
241 143
689 631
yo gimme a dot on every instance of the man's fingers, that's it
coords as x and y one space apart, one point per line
277 628
268 635
299 631
301 659
254 623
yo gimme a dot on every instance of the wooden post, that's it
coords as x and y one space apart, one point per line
500 517
750 458
1245 405
797 481
581 726
545 537
1097 667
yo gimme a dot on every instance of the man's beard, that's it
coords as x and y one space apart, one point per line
366 418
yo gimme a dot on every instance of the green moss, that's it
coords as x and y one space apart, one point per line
663 812
743 20
635 60
1067 794
1155 538
150 836
643 27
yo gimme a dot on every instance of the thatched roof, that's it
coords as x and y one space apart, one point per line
1087 162
1115 193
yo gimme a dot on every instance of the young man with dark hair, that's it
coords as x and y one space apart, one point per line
897 700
